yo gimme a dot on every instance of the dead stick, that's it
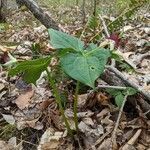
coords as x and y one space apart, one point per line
110 87
104 25
114 143
132 141
42 16
129 82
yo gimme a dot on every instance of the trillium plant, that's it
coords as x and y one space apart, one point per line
82 64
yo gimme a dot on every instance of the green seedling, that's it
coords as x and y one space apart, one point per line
120 94
84 65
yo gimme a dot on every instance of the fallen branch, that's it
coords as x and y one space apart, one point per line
104 26
132 141
110 87
129 82
42 16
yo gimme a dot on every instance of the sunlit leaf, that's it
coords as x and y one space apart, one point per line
61 40
31 69
85 67
119 99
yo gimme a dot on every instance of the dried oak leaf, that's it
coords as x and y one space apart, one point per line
50 140
23 100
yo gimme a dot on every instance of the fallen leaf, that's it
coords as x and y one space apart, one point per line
28 118
83 127
50 140
82 100
102 98
2 86
23 100
13 141
106 145
126 28
6 48
9 118
4 145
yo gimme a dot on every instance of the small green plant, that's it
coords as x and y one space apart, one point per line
82 64
36 50
120 94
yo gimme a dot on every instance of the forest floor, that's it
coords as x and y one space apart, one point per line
29 117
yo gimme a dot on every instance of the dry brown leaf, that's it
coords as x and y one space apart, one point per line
106 145
82 100
128 147
130 144
69 113
56 119
140 147
9 118
4 146
83 127
88 121
102 98
127 28
50 140
35 124
103 113
23 100
6 48
2 86
43 105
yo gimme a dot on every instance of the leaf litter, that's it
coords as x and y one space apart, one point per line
35 107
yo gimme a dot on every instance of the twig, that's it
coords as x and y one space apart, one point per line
27 142
105 29
129 82
107 87
102 138
117 123
110 87
41 15
147 112
132 140
104 25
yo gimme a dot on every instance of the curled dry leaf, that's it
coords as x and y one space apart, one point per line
2 86
82 100
88 121
106 145
9 118
69 113
23 100
130 144
4 146
28 118
35 124
50 140
83 127
10 145
102 98
6 48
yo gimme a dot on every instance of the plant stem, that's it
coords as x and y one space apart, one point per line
110 87
75 105
118 121
58 100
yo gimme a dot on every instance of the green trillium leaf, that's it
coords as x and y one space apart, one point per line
119 99
85 68
61 40
31 69
130 91
84 65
